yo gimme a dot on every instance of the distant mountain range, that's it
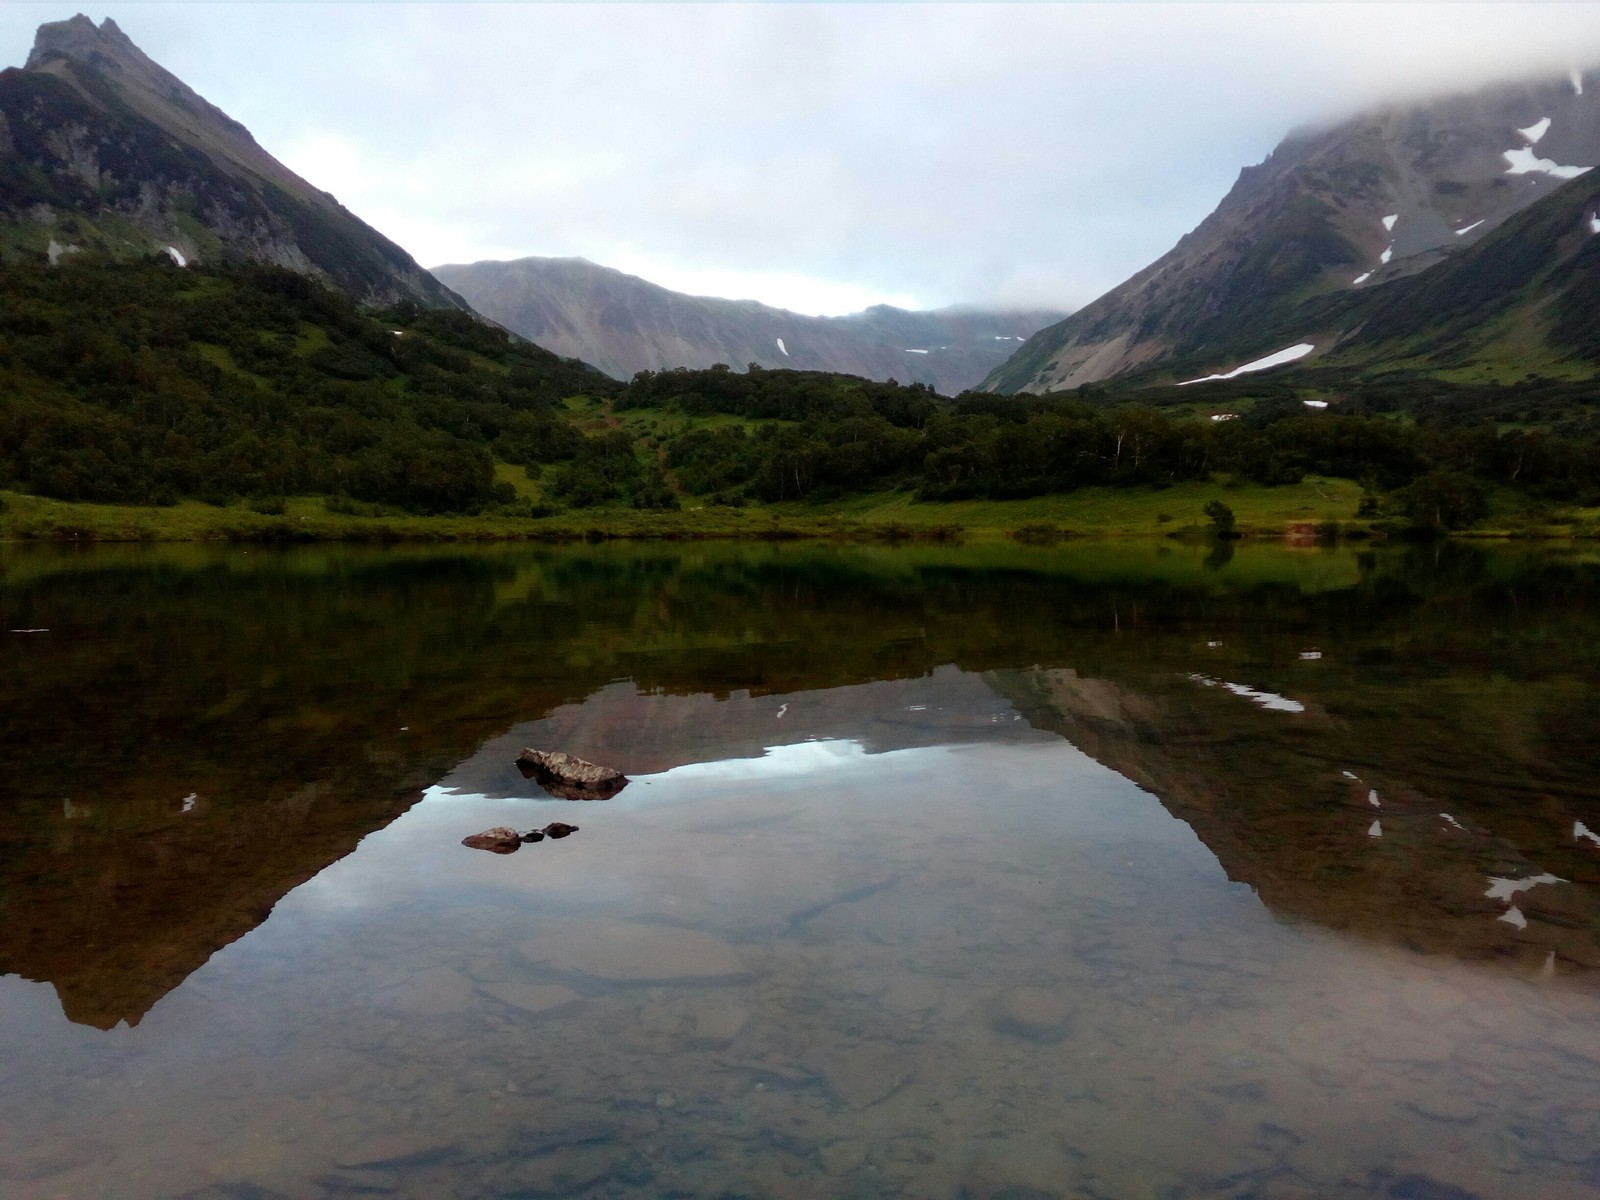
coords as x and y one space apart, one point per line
100 146
623 324
1307 246
1449 235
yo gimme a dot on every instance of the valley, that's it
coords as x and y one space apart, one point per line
1384 330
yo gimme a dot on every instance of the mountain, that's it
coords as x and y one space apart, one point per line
1337 211
624 324
1520 301
102 147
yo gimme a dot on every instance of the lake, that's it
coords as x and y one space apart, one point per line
1096 870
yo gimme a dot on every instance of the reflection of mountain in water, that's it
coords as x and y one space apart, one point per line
1356 813
201 731
646 733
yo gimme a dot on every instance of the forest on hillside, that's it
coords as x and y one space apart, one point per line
140 382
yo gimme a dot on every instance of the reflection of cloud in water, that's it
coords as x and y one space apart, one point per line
798 759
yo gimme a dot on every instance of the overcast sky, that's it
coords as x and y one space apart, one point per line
818 157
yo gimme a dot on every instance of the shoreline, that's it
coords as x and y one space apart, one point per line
1317 513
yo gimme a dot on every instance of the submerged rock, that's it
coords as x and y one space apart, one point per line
533 835
1036 1013
500 840
569 777
556 829
628 953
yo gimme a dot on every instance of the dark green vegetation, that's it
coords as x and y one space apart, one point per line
138 382
821 437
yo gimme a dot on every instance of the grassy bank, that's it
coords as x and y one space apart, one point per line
1303 510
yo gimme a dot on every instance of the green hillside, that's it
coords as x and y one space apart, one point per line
249 387
139 382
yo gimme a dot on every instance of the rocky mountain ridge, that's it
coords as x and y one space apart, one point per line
1341 210
101 147
624 324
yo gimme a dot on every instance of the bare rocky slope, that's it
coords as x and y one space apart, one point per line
1341 210
102 147
623 324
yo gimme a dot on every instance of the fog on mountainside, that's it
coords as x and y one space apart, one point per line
102 148
1349 208
624 325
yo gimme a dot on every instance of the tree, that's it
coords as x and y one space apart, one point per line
1222 519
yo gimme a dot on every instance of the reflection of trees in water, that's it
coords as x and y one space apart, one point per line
306 697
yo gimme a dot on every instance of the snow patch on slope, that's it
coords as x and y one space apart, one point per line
1468 228
1525 162
1386 255
1536 131
1361 278
1268 700
1388 222
781 346
177 256
1276 359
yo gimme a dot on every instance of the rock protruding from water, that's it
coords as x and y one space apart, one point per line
569 777
502 839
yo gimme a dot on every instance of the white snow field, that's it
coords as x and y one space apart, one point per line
1276 359
1526 162
1267 700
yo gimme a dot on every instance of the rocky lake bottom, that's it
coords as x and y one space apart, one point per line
976 885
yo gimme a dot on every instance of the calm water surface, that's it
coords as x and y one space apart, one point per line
1088 872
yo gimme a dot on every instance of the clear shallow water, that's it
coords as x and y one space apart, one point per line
953 874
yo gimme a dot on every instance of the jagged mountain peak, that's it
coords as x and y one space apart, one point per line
79 37
105 147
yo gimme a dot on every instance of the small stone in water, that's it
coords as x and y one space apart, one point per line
500 840
1038 1014
559 829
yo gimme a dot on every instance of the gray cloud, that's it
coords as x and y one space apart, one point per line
817 156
